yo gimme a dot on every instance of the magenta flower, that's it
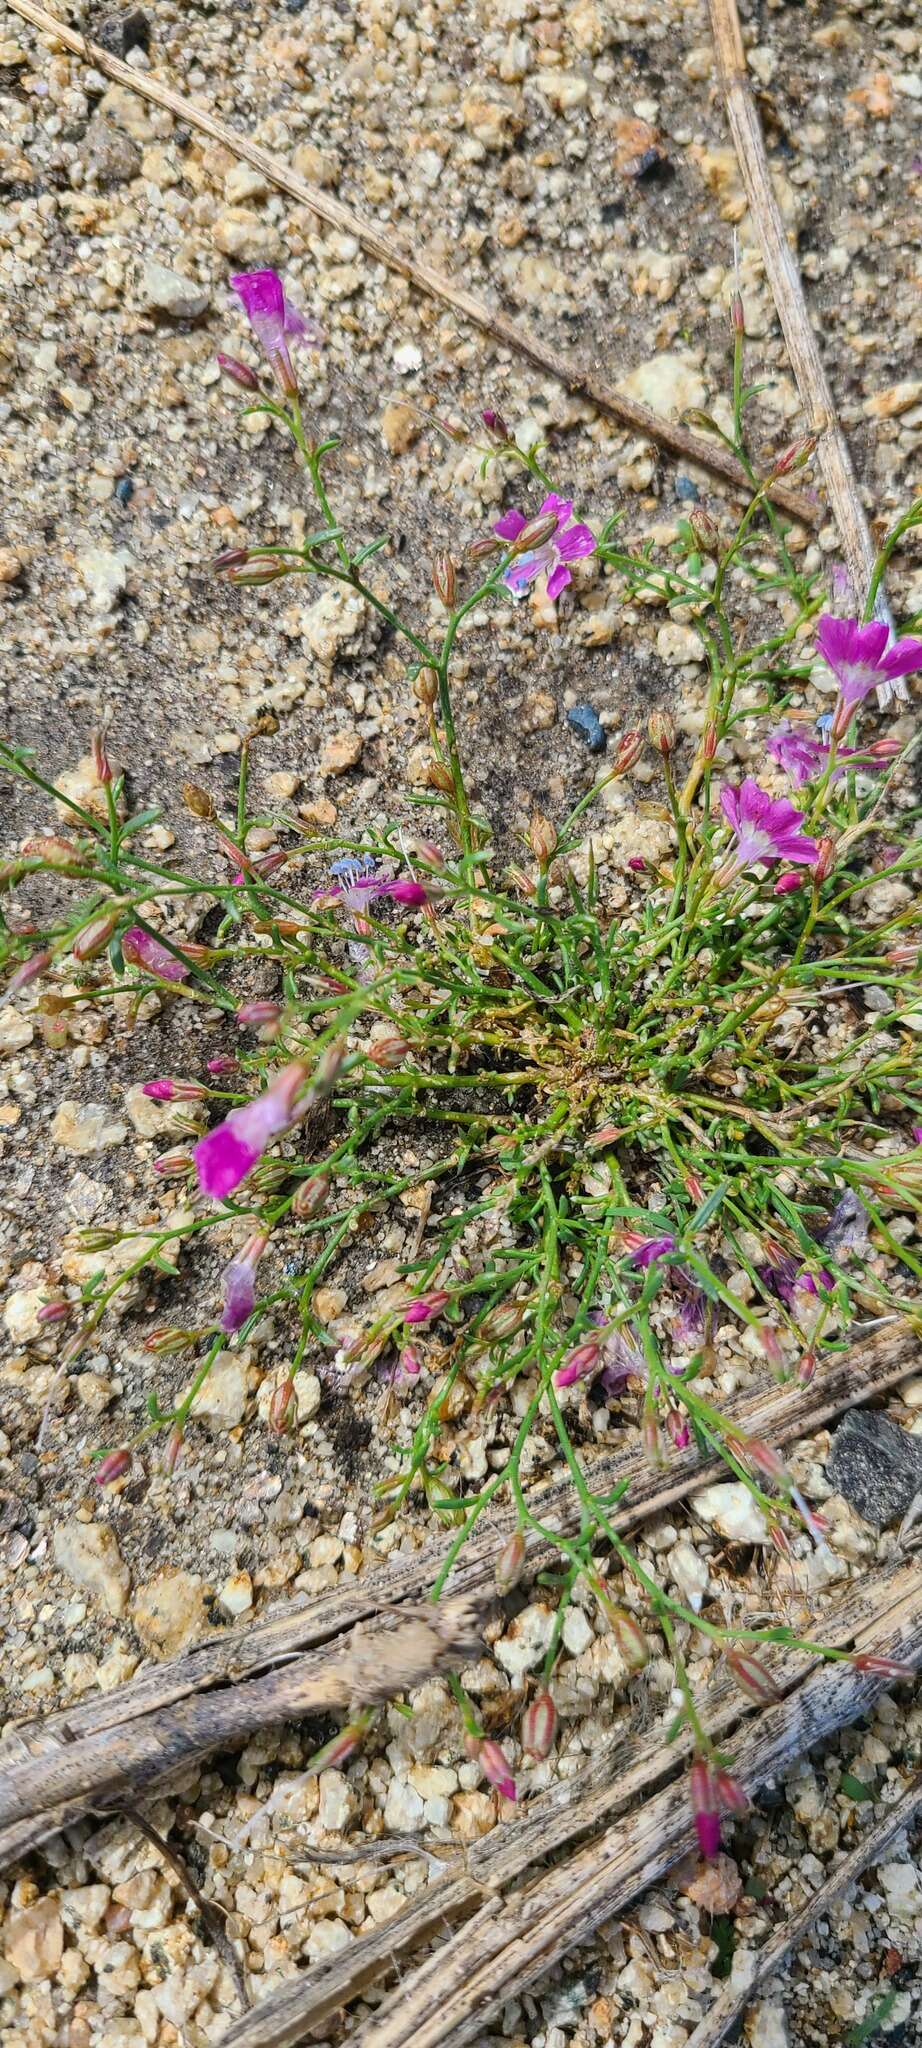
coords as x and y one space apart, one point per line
705 1813
140 950
229 1152
239 1282
426 1306
765 829
916 1134
567 544
643 1250
579 1363
786 1276
861 661
275 322
493 1763
798 753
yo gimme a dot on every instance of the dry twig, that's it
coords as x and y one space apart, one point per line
788 293
386 246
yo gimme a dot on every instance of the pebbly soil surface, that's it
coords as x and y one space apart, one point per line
572 161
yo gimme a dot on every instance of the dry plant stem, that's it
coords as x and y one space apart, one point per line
763 1963
788 294
42 1793
516 1924
240 1656
208 1912
386 247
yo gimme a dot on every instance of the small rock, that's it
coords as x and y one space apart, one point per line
904 1896
768 2027
585 721
526 1640
244 182
667 383
716 1886
12 564
85 1127
690 1573
886 405
403 1808
400 427
677 644
222 1400
491 122
105 574
875 1465
15 1030
165 291
337 1802
236 1594
153 1119
34 1941
732 1511
20 1313
108 155
169 1613
332 624
246 237
89 1554
342 752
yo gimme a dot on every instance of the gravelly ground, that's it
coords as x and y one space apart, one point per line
505 140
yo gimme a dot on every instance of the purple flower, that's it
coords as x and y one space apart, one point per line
140 950
916 1134
787 1277
239 1283
623 1361
765 827
229 1152
643 1250
861 661
275 322
689 1322
796 752
567 544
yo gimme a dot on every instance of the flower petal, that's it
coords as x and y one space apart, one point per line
510 525
558 580
572 542
903 658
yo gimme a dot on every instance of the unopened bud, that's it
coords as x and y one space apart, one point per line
30 971
281 1414
168 1089
197 800
794 457
702 1793
629 1636
230 558
736 315
661 729
825 858
426 687
883 1667
258 1016
764 1457
102 766
389 1052
607 1134
705 530
326 1072
440 777
410 1362
95 937
164 1341
768 1338
493 1764
730 1793
338 1751
174 1165
542 838
173 1451
253 573
539 1726
678 1427
806 1367
444 581
311 1197
503 1321
485 545
709 743
581 1361
425 1307
510 1562
113 1466
788 882
56 1311
650 1440
628 750
534 533
496 426
239 373
751 1676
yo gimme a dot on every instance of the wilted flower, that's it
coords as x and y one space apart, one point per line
28 972
562 545
227 1154
703 1794
275 322
493 1763
787 1275
765 828
861 661
239 1282
643 1250
796 751
140 949
847 1229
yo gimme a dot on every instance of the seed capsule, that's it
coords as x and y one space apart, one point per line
539 1726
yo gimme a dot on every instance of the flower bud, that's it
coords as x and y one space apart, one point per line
173 1451
650 1441
30 971
389 1052
113 1466
239 373
542 838
629 1636
751 1676
736 315
709 743
510 1562
440 777
485 545
661 730
253 573
326 1072
629 749
678 1427
581 1361
496 426
425 1307
164 1341
230 558
197 800
174 1165
704 1808
705 530
493 1764
806 1367
102 767
258 1016
883 1667
503 1321
768 1338
444 581
311 1197
825 858
342 1746
607 1134
788 882
95 937
534 532
539 1726
56 1311
729 1792
222 1063
426 687
167 1089
794 457
281 1412
409 1362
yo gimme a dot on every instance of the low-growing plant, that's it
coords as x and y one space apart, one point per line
639 1135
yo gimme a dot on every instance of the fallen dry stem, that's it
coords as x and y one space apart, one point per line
387 247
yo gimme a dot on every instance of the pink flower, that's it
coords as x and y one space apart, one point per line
275 322
703 1795
582 1361
167 1089
798 753
141 950
567 544
239 1282
229 1152
861 661
425 1307
766 828
493 1763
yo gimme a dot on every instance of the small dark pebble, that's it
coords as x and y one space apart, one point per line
124 489
686 490
875 1465
652 168
136 31
587 723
